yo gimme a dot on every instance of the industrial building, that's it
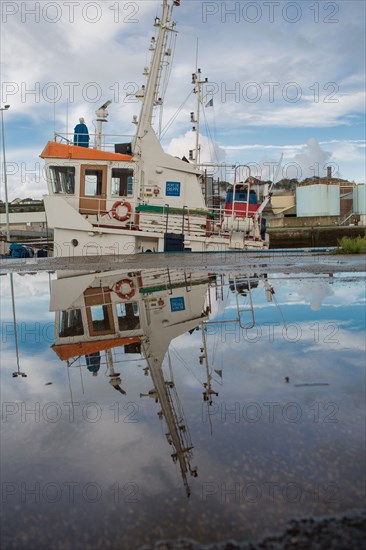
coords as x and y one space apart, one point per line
322 202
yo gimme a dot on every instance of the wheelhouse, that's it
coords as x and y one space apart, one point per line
90 180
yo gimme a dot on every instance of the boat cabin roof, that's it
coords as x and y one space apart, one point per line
67 351
56 150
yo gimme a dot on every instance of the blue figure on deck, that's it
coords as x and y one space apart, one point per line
93 362
81 134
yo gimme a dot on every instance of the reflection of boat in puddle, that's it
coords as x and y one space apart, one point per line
141 313
103 318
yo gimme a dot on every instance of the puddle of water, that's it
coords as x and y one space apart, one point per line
165 404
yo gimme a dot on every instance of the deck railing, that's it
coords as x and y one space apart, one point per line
98 210
108 140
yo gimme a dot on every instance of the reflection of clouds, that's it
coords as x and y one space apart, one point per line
66 442
322 352
26 285
300 291
40 369
315 292
324 335
31 298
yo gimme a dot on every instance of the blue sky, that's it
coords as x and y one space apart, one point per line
286 77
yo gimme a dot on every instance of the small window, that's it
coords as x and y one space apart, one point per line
71 323
100 318
122 182
63 179
93 182
128 316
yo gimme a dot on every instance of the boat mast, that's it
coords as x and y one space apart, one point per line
198 83
150 99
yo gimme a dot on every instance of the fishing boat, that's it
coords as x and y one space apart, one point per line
137 198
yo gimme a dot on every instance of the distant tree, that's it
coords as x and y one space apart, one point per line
287 184
224 185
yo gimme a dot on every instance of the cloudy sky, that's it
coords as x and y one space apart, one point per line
285 77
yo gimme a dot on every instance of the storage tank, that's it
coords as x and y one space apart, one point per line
317 200
359 202
359 199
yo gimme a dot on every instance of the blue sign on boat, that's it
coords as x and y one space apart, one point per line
177 304
172 189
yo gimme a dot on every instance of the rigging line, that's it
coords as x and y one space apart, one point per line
211 138
179 411
179 357
173 393
170 367
162 84
197 48
280 310
170 122
216 342
68 375
210 419
107 369
186 366
171 44
211 142
208 133
81 379
214 129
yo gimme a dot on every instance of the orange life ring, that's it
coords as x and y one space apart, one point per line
125 295
115 208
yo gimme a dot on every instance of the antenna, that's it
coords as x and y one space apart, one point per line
67 118
102 116
54 119
18 372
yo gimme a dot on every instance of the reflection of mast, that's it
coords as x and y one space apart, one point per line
209 392
114 377
177 435
17 373
241 286
268 288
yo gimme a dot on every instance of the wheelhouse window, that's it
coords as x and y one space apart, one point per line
93 182
122 182
100 318
128 316
71 323
63 179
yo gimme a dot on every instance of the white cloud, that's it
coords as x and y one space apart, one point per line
114 55
306 113
210 151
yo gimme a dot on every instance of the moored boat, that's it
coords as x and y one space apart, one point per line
138 198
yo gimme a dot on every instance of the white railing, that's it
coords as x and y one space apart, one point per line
346 217
98 210
108 142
